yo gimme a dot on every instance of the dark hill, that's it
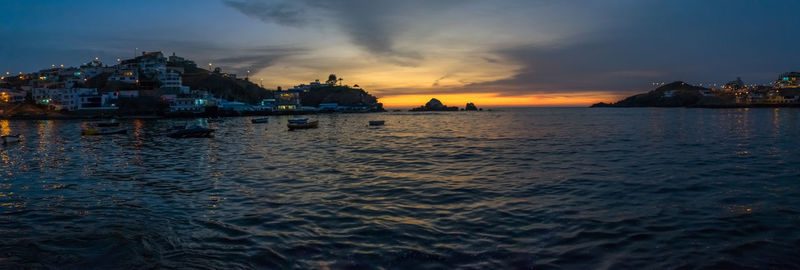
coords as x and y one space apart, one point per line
676 94
222 86
343 95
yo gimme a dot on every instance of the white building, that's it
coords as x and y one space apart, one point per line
59 99
152 63
192 105
171 80
96 101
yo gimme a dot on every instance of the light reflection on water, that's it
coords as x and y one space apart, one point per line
520 188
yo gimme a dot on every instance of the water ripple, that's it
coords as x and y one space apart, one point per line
547 188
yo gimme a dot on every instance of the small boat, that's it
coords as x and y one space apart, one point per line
259 120
377 122
298 121
8 139
96 132
193 132
305 125
108 124
215 120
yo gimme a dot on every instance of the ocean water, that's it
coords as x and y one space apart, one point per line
537 188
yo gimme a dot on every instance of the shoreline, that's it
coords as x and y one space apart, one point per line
168 116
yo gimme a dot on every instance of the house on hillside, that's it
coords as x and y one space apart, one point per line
287 100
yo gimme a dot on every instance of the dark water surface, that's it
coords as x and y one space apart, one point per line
573 188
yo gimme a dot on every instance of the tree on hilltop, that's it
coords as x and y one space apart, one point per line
331 80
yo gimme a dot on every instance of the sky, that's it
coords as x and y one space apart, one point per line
493 53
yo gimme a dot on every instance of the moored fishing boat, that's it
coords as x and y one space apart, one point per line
298 121
302 124
193 132
97 132
377 122
259 120
10 139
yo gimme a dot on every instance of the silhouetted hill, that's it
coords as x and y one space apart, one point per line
225 87
676 94
343 95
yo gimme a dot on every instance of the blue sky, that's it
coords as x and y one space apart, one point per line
508 48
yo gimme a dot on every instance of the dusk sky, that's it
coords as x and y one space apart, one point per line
516 52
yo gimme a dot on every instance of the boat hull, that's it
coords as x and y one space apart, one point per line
307 125
10 139
193 133
377 123
95 132
298 121
259 120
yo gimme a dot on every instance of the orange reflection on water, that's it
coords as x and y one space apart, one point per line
138 128
5 128
776 122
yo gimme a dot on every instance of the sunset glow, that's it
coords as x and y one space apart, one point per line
497 100
505 53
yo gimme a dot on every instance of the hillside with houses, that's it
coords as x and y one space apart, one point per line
783 92
158 85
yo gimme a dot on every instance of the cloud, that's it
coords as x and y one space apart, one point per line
283 13
256 59
374 26
436 83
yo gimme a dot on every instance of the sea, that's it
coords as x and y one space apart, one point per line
511 188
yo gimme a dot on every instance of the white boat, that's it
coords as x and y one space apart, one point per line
10 139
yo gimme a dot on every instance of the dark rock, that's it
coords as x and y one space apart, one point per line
471 107
434 105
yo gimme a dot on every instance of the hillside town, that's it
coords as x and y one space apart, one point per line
153 83
782 92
